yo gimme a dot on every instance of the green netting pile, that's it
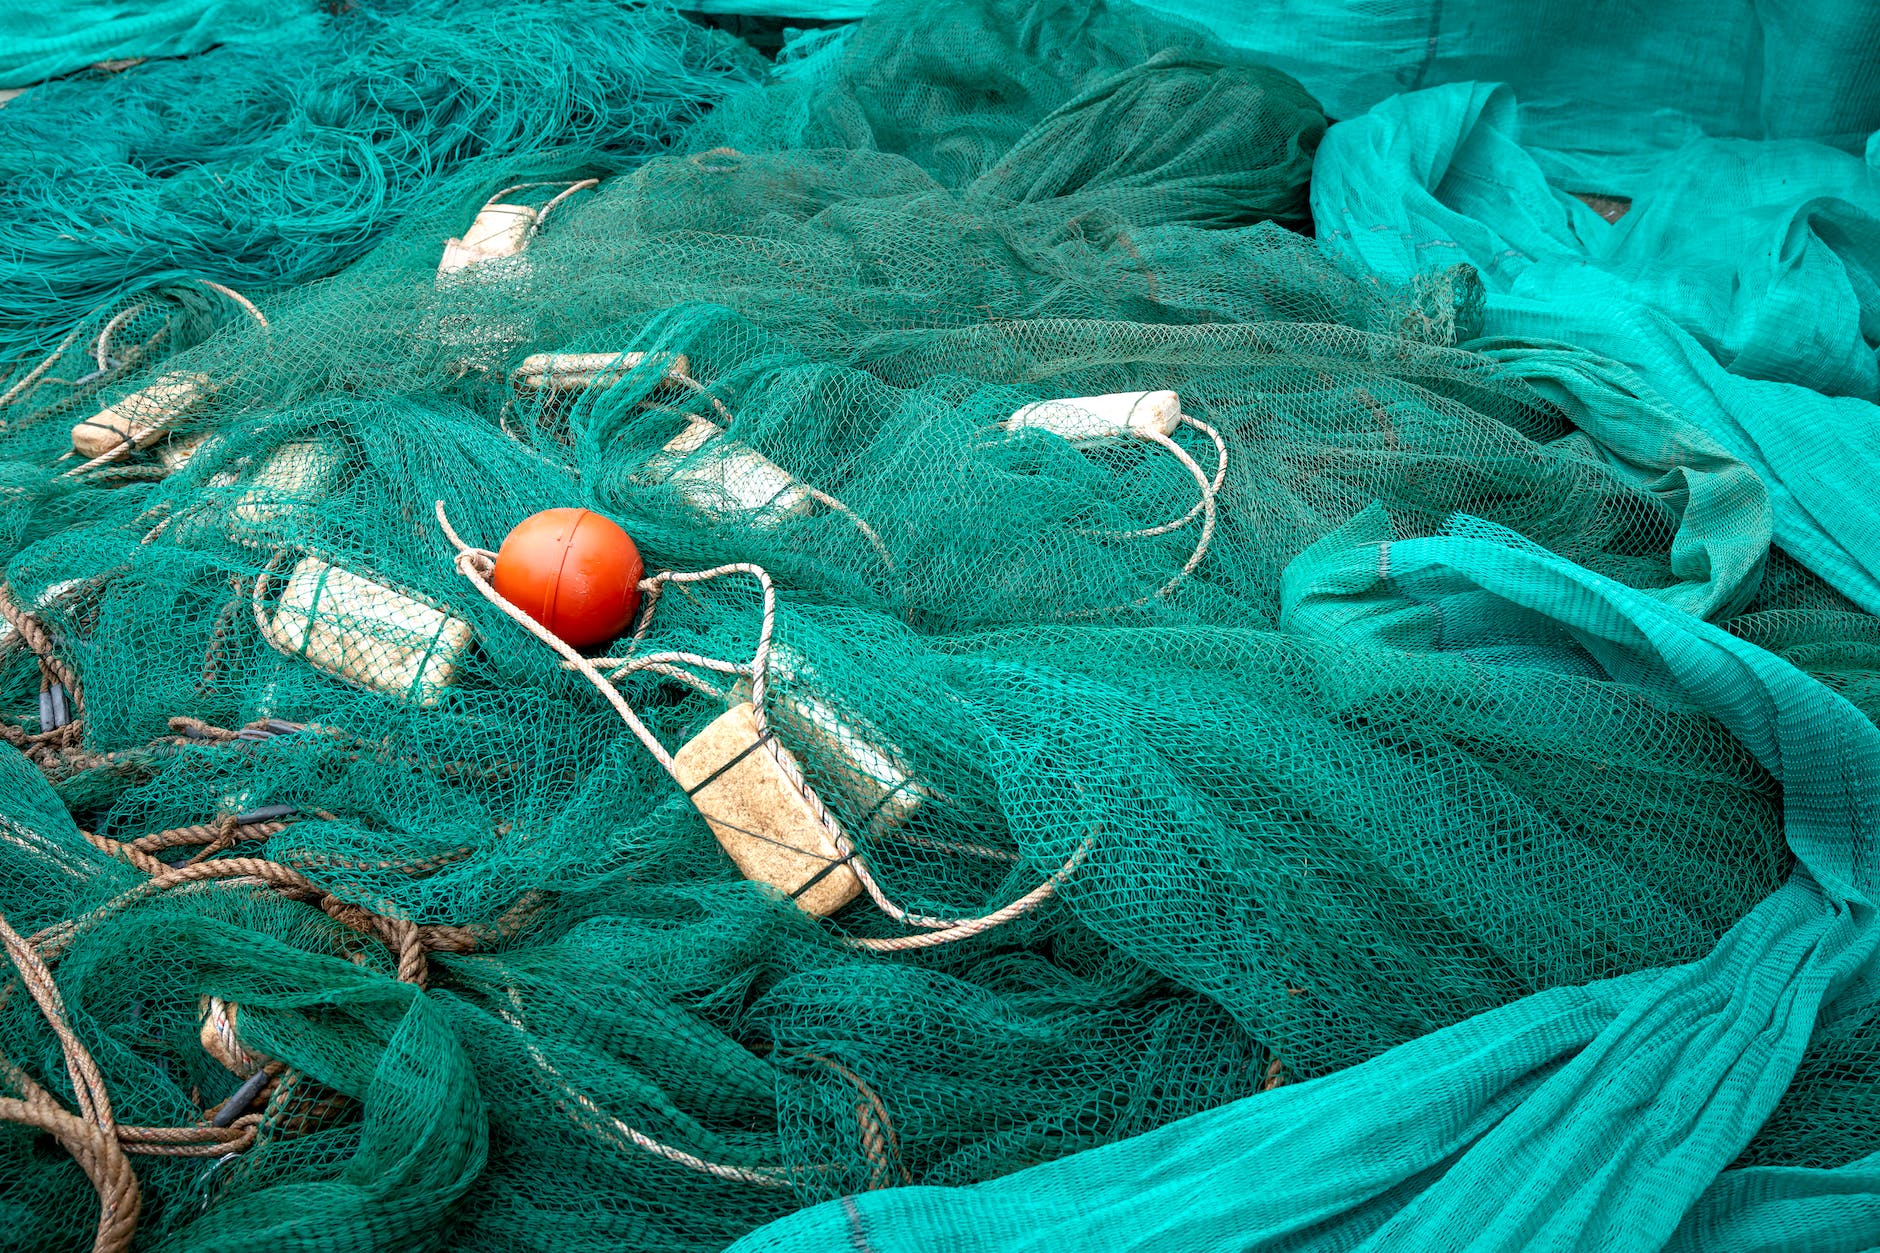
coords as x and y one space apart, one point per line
1594 95
279 158
1352 830
40 41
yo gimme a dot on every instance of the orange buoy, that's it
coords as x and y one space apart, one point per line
574 572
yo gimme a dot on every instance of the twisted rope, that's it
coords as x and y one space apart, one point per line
879 1141
586 1114
1206 506
34 635
91 1136
409 942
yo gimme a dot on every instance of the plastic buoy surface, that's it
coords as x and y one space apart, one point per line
573 571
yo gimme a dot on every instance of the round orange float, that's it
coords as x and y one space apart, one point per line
573 571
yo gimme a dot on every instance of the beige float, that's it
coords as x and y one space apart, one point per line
1095 419
141 418
875 780
578 371
295 475
174 453
741 780
364 632
722 477
502 229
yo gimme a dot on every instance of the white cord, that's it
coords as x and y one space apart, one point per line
1206 506
605 1126
542 216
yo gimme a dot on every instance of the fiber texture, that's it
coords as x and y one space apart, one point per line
1424 831
276 160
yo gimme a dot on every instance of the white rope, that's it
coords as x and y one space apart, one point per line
601 1123
101 348
1220 476
542 216
976 926
51 359
239 299
1206 506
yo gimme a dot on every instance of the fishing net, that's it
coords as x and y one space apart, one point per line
982 391
37 43
278 159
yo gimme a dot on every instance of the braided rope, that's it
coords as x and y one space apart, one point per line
101 346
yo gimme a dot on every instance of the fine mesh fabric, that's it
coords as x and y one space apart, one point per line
279 158
1423 772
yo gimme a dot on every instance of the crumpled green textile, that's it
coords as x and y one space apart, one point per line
1600 1116
1742 288
1592 81
41 41
1597 87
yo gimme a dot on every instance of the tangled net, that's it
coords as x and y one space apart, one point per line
277 160
349 912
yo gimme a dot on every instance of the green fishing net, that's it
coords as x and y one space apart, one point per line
38 42
385 929
277 159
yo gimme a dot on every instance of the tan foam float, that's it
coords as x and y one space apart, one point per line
722 477
363 631
759 813
141 418
146 416
174 453
578 371
502 229
876 780
295 475
1096 419
764 814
